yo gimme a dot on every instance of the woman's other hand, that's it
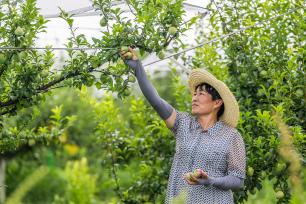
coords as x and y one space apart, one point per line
197 177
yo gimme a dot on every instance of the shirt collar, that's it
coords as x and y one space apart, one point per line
214 128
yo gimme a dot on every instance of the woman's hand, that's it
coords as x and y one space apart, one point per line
128 53
198 177
129 56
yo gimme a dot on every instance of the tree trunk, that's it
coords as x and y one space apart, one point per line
2 180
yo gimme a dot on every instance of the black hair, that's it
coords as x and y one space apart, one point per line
214 93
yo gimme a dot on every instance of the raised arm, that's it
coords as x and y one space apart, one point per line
164 109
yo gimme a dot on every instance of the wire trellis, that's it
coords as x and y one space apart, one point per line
166 57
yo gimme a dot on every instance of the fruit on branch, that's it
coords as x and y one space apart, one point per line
172 30
2 58
19 31
106 9
253 191
22 55
124 48
244 76
263 73
299 93
31 142
103 22
44 73
132 78
250 171
279 194
126 92
263 174
280 167
95 64
161 55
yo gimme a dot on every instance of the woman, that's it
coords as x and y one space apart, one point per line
206 140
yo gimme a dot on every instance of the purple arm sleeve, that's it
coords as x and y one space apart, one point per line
163 108
225 183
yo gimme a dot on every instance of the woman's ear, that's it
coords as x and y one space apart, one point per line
219 102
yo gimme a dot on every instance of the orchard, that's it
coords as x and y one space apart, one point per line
80 131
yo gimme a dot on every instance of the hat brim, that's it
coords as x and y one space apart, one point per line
231 108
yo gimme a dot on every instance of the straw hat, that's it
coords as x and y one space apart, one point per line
231 109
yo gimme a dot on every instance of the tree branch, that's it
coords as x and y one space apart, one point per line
11 154
8 111
43 88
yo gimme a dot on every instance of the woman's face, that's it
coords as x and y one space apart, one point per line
202 103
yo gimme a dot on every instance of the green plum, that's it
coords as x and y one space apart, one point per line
172 30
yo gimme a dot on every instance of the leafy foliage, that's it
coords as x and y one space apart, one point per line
14 135
27 184
27 74
81 185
